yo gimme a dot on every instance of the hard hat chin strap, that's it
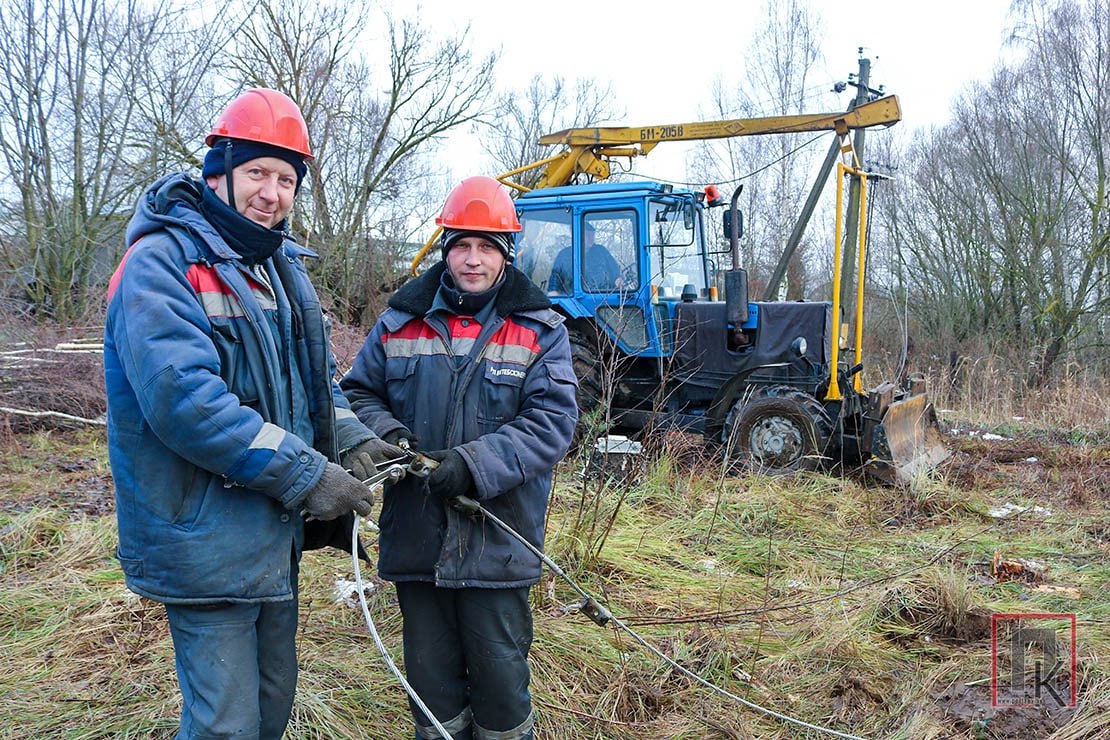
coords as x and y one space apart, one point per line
227 174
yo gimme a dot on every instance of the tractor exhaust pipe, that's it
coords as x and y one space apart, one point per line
736 279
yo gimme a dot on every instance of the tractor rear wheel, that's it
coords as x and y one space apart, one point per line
777 430
585 359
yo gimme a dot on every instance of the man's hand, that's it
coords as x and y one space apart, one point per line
337 493
397 436
363 461
452 478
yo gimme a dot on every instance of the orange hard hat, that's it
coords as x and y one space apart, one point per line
266 116
479 204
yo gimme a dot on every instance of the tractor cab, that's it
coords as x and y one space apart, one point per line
618 254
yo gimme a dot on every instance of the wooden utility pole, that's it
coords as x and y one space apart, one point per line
851 235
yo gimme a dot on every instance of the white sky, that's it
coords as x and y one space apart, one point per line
662 58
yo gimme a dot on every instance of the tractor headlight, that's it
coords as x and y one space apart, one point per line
798 346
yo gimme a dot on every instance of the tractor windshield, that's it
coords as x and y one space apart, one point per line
544 234
676 248
605 260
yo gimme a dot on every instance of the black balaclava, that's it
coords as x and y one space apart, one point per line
503 240
253 242
467 304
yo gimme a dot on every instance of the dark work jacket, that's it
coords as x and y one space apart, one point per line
507 405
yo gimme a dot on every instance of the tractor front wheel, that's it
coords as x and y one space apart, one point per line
776 431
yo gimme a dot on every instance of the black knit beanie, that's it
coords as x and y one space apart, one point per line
244 151
503 240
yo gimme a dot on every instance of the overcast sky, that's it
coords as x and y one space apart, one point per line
662 58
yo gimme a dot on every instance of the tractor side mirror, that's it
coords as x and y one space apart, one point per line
727 225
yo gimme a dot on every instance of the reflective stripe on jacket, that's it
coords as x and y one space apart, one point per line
208 474
508 406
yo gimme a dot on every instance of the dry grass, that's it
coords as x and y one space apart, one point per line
863 609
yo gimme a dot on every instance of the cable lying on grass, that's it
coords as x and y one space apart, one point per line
602 616
588 606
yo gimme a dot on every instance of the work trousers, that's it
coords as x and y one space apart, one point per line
237 667
466 657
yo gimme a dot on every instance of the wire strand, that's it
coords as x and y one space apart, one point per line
752 705
753 173
378 640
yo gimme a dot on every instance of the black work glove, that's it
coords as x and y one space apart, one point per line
337 493
397 435
452 478
363 460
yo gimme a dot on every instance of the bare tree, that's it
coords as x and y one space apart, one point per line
1006 218
368 130
75 138
781 59
523 116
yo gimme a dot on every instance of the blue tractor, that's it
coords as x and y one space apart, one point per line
662 330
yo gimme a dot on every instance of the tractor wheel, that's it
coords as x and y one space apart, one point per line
777 430
590 371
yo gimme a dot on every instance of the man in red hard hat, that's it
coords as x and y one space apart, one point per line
470 361
224 422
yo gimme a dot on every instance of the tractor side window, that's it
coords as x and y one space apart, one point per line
543 235
609 262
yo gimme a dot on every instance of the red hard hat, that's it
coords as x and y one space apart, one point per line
479 204
266 116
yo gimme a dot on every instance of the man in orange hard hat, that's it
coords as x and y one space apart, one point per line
224 422
471 361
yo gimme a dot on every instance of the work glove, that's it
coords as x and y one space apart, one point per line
336 494
452 478
397 436
363 460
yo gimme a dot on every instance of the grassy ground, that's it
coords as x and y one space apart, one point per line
863 609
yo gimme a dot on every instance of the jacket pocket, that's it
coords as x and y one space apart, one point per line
500 396
403 398
234 367
173 489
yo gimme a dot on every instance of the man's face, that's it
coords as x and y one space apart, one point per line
264 189
474 264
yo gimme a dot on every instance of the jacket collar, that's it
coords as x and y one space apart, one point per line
518 294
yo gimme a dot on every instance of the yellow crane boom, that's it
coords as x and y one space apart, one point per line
590 150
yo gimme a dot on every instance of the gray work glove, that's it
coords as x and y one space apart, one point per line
336 494
363 461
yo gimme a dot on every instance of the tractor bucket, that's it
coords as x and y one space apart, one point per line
906 441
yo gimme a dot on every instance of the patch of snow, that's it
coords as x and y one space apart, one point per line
991 437
1001 512
1031 460
345 591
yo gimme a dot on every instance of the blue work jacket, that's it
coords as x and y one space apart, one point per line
208 473
506 404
